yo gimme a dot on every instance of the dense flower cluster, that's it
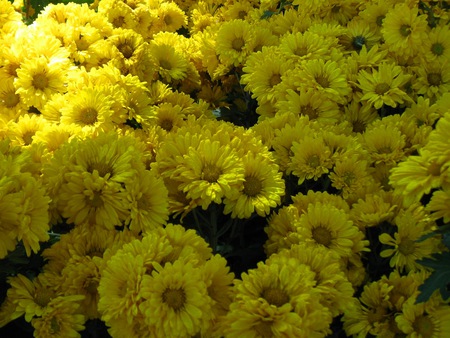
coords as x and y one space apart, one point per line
141 142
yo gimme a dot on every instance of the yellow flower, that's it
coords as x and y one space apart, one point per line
326 226
439 204
307 46
326 77
171 17
262 188
168 116
359 34
420 320
436 47
8 16
210 172
417 175
406 247
359 115
61 319
81 276
178 294
118 13
168 62
38 79
404 29
23 131
311 159
30 297
91 109
433 79
148 198
231 41
383 86
11 105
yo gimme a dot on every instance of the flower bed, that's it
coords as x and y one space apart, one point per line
225 169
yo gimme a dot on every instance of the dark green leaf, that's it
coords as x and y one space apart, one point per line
444 229
267 14
439 278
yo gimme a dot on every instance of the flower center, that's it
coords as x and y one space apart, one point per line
406 247
275 79
88 115
434 79
237 44
175 298
310 111
349 177
211 173
165 64
301 51
252 186
424 326
119 21
405 30
54 326
102 168
126 50
40 81
275 297
382 88
91 285
11 99
166 124
379 20
434 169
42 297
168 20
28 137
314 161
437 49
96 201
359 126
358 42
376 315
322 235
323 81
264 328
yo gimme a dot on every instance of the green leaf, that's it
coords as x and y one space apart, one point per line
439 278
267 14
444 229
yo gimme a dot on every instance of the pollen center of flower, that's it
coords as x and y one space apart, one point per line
143 203
406 247
88 115
166 124
237 44
376 315
165 64
252 186
168 20
424 326
102 168
300 51
379 20
358 42
310 111
211 172
40 81
28 137
275 79
54 326
119 21
322 235
42 297
405 30
434 169
314 161
264 328
91 285
437 49
349 177
382 88
126 50
96 201
323 81
175 298
11 99
275 297
434 79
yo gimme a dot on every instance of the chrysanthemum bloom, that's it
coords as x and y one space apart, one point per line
439 204
310 159
404 29
281 290
261 190
436 47
417 175
372 312
383 86
407 248
10 208
39 78
148 198
171 16
263 72
231 40
310 103
168 62
374 13
30 297
333 287
167 116
178 294
8 16
433 79
384 144
131 47
431 320
91 109
359 34
60 319
307 46
359 115
210 172
11 105
326 77
118 13
22 132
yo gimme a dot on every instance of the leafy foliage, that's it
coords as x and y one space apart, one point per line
439 278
